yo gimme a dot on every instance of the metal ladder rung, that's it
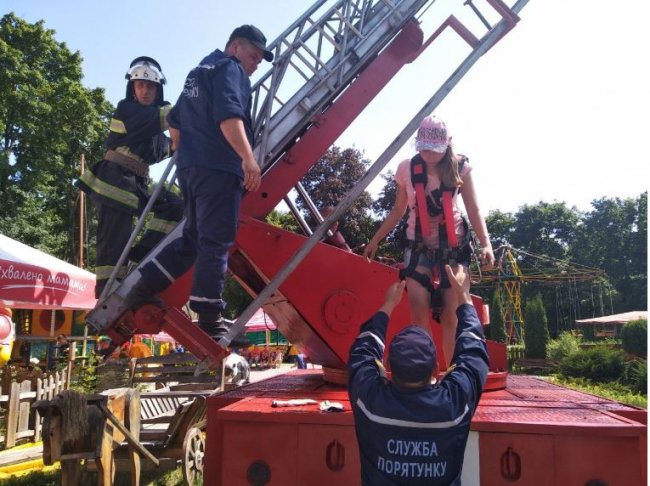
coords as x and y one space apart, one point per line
318 60
331 39
275 96
346 22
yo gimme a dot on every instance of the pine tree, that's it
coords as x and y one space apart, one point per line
536 336
497 323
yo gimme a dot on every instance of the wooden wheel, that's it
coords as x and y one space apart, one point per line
193 452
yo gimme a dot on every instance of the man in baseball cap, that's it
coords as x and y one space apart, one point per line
255 36
212 128
412 358
412 430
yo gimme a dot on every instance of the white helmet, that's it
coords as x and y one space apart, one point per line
147 69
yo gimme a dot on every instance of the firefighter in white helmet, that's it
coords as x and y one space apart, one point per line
118 183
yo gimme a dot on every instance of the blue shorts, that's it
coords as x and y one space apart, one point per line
425 259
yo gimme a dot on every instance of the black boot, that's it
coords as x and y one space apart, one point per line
141 294
215 326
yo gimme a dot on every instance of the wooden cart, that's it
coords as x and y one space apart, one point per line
172 428
166 428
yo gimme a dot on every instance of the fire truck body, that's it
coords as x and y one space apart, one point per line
319 295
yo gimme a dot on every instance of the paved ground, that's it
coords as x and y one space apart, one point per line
259 375
29 454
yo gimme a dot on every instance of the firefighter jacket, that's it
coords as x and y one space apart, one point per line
415 437
135 141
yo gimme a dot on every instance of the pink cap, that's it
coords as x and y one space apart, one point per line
432 135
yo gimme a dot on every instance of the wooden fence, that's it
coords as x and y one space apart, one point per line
21 421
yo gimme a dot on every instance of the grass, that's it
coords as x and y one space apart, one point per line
612 391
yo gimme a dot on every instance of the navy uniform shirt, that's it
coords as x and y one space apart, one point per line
215 90
415 437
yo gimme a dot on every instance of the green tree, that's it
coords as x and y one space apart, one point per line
283 220
329 181
536 335
565 345
393 245
237 298
384 203
47 120
634 337
614 237
500 226
545 229
600 364
497 327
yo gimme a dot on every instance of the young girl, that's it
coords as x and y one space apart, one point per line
424 253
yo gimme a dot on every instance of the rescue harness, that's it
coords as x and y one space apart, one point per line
437 203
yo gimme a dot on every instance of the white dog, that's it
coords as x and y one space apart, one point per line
237 371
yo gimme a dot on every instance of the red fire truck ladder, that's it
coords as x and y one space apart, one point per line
341 56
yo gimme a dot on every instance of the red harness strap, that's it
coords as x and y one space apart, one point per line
447 210
419 180
419 177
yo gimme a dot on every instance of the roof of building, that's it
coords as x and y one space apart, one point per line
616 318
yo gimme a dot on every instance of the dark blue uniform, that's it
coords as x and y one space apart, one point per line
211 179
415 437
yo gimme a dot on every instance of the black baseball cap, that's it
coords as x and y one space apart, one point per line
255 36
412 355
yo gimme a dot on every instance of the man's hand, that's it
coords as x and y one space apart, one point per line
252 174
175 135
459 281
235 134
393 296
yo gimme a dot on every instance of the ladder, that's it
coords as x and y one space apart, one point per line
344 55
326 54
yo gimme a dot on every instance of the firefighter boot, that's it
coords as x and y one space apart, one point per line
141 294
215 326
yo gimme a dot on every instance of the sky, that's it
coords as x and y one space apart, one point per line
555 112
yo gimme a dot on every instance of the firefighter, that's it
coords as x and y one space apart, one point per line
118 184
215 165
411 431
428 186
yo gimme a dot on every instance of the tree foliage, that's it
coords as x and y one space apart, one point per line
497 327
536 335
565 345
47 120
614 237
501 226
634 337
391 246
600 364
545 229
330 180
283 220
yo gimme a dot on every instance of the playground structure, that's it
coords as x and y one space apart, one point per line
515 267
344 52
